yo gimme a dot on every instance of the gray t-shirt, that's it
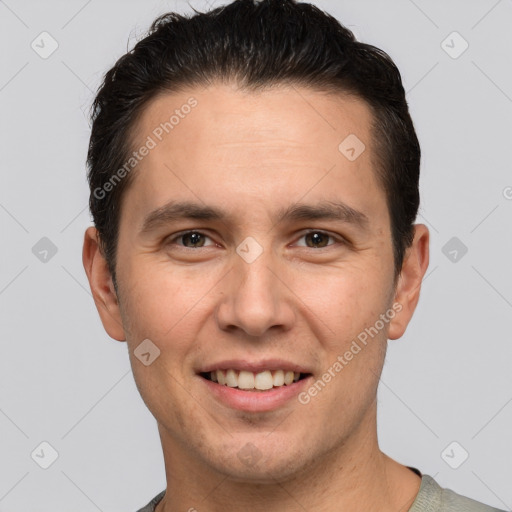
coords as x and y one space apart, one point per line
430 498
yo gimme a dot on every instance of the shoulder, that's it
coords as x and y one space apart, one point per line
150 507
433 498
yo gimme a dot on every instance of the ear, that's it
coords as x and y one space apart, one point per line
408 286
102 286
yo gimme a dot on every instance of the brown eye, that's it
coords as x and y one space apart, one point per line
193 239
317 239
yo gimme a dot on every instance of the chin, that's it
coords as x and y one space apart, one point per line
265 465
264 474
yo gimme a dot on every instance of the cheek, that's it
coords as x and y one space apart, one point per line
345 299
159 300
166 309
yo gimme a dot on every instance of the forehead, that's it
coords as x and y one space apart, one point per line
224 142
224 114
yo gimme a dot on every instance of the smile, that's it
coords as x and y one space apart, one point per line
252 381
253 399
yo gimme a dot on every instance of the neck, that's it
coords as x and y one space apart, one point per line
353 476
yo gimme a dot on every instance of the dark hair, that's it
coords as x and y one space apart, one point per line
256 44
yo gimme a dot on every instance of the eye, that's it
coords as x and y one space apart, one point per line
316 239
191 239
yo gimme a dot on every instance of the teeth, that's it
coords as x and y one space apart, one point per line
231 379
278 378
249 380
263 380
245 380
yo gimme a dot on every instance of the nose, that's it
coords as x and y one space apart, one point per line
255 299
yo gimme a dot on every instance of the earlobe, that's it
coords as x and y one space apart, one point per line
409 282
102 287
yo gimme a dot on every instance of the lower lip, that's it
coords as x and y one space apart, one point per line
255 401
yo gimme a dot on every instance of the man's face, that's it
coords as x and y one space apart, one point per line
297 263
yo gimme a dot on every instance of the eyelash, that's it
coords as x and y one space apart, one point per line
320 232
184 233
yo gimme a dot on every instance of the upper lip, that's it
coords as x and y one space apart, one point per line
255 366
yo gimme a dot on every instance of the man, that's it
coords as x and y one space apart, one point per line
254 185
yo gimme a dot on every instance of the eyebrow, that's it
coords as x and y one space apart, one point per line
324 210
173 211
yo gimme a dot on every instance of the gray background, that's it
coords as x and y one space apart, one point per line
63 381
